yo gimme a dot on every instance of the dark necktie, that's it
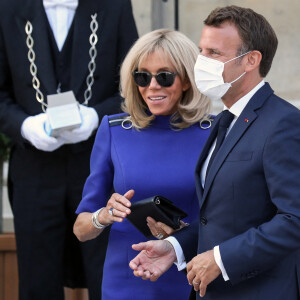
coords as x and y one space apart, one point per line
225 120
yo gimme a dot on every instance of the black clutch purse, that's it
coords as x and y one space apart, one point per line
157 207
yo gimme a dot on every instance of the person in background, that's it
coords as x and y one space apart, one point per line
244 245
150 150
49 47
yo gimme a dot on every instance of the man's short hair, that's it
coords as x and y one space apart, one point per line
255 32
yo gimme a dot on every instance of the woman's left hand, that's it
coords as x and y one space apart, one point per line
161 230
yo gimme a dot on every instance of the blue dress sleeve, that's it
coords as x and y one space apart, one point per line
99 184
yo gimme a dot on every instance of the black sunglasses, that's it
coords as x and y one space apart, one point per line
165 78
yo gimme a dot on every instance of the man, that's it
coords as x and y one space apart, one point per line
48 47
248 185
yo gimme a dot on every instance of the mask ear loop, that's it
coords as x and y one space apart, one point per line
237 78
234 59
237 57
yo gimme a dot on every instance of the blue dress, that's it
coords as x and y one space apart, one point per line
152 161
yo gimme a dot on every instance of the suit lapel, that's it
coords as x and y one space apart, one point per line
34 12
203 155
233 137
244 121
81 44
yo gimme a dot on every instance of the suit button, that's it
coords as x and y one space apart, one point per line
203 221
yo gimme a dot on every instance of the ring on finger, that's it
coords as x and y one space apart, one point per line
195 282
110 211
159 236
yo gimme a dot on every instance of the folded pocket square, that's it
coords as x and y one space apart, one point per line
157 207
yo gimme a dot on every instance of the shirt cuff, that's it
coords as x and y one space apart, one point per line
180 263
218 259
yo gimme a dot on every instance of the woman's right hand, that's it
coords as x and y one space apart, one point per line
117 208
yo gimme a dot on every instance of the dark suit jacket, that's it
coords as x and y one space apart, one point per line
116 33
250 205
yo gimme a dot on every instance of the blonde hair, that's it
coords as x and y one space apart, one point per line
182 52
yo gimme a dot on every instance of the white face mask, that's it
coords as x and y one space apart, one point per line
209 79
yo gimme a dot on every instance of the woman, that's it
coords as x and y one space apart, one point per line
150 150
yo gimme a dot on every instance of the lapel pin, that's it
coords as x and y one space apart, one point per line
246 120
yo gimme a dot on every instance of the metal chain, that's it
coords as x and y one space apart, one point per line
33 68
92 64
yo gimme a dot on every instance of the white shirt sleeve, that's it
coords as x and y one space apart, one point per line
218 259
180 263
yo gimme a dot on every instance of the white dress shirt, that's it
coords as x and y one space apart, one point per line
235 109
60 15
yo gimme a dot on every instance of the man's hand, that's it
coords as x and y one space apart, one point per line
202 270
155 258
90 121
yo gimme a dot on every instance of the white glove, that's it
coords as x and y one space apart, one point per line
90 121
33 130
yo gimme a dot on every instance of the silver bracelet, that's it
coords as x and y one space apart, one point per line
95 220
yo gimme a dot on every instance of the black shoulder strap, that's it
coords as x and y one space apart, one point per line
114 121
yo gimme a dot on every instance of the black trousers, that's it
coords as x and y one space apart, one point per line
192 295
45 189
